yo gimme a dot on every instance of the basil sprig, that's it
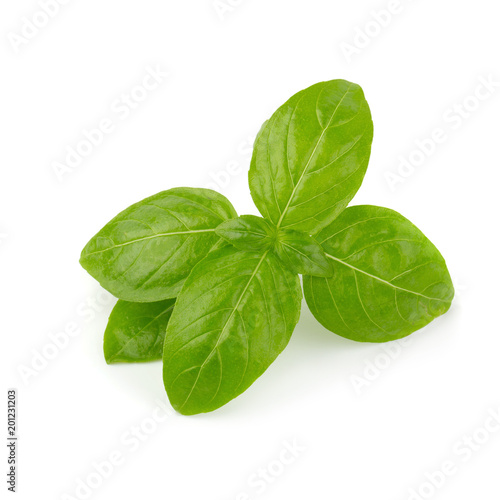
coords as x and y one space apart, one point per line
218 296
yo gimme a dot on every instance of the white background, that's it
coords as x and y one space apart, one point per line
228 72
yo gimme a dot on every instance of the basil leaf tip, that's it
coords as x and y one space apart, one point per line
136 331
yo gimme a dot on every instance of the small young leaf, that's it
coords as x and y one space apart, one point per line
311 156
147 251
302 254
248 232
136 331
235 314
389 279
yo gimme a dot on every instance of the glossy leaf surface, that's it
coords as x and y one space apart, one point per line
302 254
235 314
248 232
136 331
147 251
389 279
310 158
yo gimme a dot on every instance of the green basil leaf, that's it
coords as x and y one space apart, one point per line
248 232
147 251
135 331
389 279
310 158
235 314
302 254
